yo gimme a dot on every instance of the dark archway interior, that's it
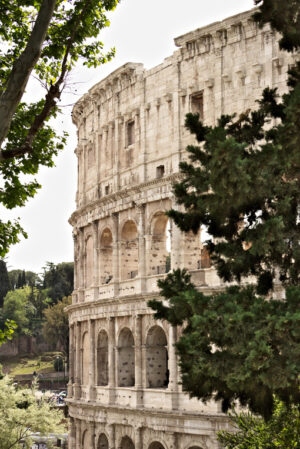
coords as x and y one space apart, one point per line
126 362
102 359
157 358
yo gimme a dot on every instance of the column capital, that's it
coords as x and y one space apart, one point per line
140 207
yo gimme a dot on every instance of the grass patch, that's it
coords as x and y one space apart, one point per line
28 363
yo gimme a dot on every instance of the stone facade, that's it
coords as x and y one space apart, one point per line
124 390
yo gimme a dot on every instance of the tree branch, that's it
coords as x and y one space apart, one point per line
50 103
23 67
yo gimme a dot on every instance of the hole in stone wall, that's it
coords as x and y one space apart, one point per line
157 358
102 359
126 362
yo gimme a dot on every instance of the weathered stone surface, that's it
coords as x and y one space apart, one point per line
124 389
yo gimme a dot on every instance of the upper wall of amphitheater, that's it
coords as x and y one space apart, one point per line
131 124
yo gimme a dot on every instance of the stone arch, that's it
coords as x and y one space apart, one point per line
126 443
156 445
89 261
85 348
159 254
126 359
106 256
102 441
102 358
157 373
129 250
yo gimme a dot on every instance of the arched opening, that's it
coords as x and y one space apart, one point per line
89 262
129 251
102 442
126 368
195 447
102 358
156 445
85 440
106 257
126 443
85 359
204 261
159 257
157 358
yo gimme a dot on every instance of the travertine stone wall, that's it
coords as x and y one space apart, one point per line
124 390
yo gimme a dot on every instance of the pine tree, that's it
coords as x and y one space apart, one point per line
242 183
23 278
4 281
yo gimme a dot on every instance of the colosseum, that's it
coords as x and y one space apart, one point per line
124 387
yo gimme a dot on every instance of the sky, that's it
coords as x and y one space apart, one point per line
141 31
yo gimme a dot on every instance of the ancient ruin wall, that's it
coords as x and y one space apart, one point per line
124 390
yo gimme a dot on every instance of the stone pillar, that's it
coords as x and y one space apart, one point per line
84 167
116 253
179 123
116 163
144 366
92 443
71 361
76 259
148 244
77 385
142 252
177 247
111 360
81 265
111 436
143 133
138 361
139 438
96 259
72 434
78 434
92 370
173 372
173 440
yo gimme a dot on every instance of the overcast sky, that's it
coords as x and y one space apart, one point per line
142 31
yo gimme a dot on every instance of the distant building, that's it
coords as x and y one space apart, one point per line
124 390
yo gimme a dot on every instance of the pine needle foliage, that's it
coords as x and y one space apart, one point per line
242 182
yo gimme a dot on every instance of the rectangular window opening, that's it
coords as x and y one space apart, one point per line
197 104
160 171
130 133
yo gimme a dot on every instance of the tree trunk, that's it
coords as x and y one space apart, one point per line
23 67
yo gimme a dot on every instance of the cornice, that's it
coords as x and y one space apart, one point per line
147 412
122 194
213 28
